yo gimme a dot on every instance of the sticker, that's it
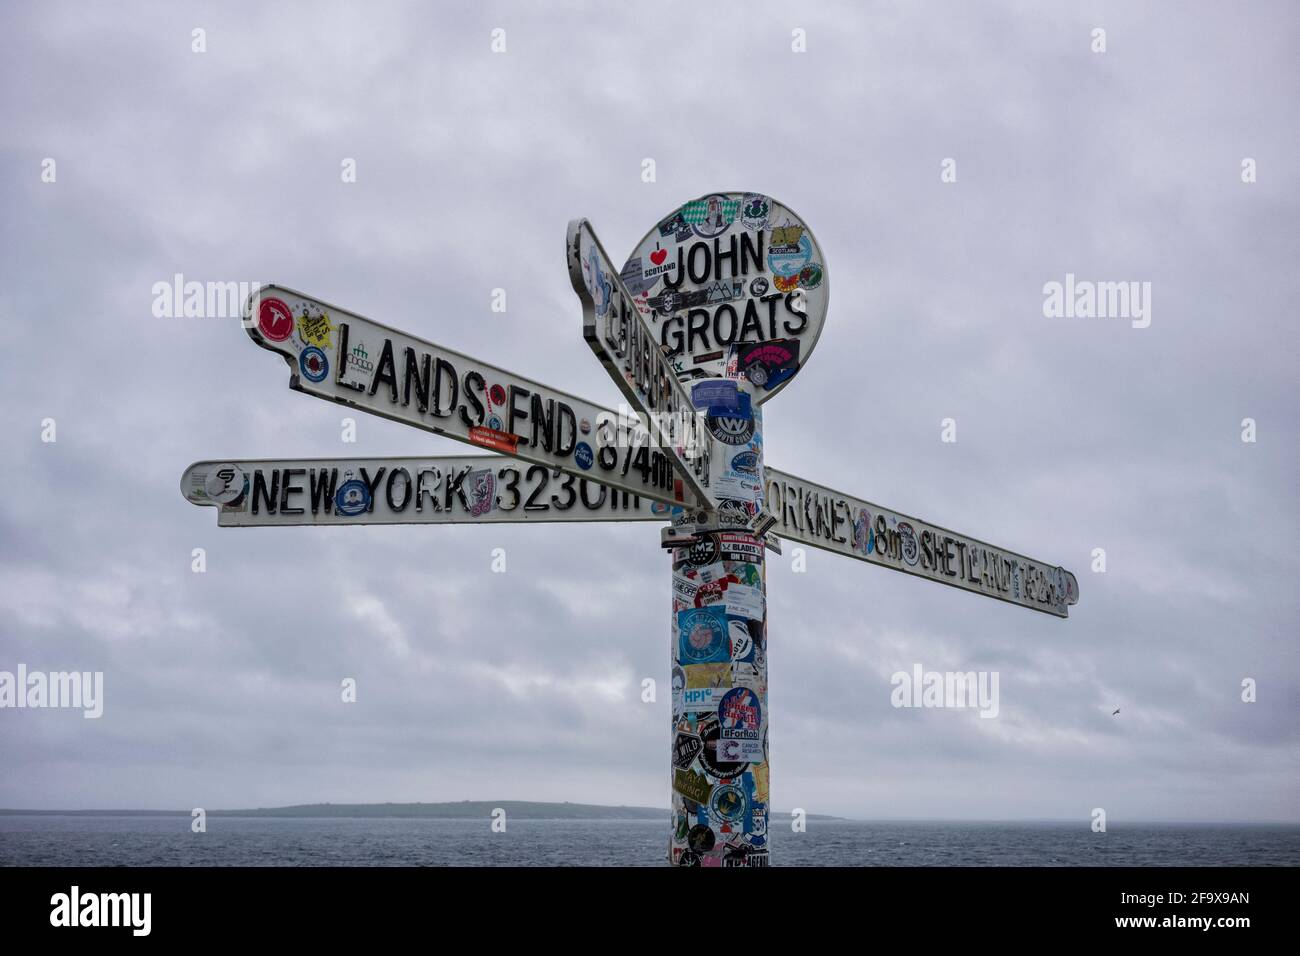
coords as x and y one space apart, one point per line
352 498
744 856
810 276
275 320
679 685
758 287
735 513
702 635
635 279
740 715
692 785
736 751
768 364
702 699
313 364
482 491
738 546
582 456
709 594
701 838
710 216
745 674
728 802
710 733
658 264
746 463
684 589
863 538
720 394
734 428
755 209
789 251
686 747
907 536
785 283
675 227
746 602
712 572
584 426
315 329
742 645
494 438
225 484
700 554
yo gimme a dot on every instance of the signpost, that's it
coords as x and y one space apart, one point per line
717 309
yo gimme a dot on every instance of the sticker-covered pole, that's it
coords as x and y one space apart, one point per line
719 769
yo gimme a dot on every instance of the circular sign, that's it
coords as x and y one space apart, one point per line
732 280
275 320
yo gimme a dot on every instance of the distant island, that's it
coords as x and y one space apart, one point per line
464 809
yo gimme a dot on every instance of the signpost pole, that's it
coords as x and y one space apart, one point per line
720 782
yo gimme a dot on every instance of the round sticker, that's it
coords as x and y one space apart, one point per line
728 802
225 483
741 269
275 320
352 498
710 732
313 363
703 637
700 838
582 455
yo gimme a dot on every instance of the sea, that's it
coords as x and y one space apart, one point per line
110 840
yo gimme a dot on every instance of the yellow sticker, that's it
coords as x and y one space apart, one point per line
708 675
759 770
315 329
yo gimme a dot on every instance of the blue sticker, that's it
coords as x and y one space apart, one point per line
353 498
720 394
313 364
582 455
746 463
494 422
702 635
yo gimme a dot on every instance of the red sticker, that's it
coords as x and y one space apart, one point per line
491 438
274 320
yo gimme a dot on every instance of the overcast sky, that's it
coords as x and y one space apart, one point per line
222 689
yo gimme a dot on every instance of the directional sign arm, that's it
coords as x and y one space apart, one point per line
815 515
627 346
465 489
343 357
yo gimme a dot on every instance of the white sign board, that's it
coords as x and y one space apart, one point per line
732 282
814 515
441 490
626 346
341 356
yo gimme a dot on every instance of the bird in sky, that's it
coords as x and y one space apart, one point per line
1116 714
